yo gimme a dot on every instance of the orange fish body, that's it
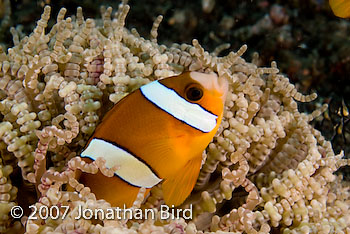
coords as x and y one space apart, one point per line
156 134
340 8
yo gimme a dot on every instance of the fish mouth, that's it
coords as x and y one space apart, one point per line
223 86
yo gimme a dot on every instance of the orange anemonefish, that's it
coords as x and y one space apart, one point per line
156 134
340 8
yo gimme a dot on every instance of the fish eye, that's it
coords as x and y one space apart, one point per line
194 93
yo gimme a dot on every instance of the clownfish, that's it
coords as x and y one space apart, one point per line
155 135
340 8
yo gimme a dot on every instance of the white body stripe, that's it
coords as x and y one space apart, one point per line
169 101
130 168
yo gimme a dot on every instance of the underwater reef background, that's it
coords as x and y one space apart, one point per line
309 43
273 166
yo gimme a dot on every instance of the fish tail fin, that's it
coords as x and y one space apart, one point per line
112 189
340 8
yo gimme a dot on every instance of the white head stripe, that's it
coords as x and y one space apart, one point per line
130 168
169 101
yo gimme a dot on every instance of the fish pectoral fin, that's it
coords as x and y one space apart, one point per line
177 188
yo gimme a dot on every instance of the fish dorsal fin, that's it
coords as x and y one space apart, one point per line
177 188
